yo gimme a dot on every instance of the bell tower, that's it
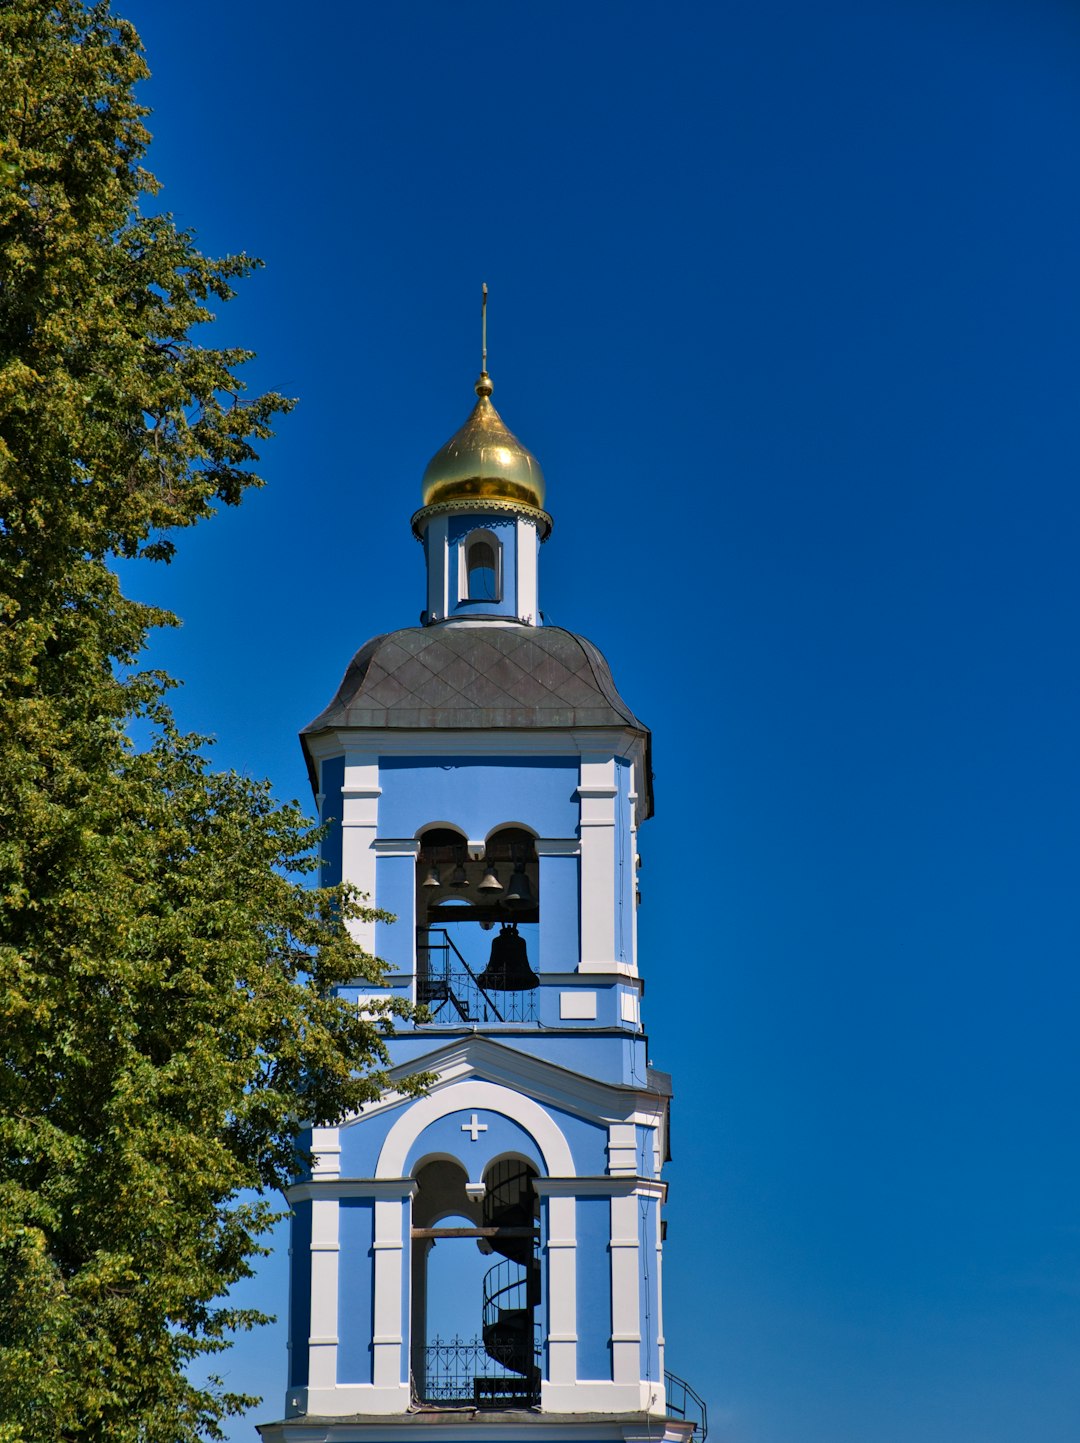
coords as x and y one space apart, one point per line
483 780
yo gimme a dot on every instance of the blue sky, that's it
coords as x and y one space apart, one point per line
786 300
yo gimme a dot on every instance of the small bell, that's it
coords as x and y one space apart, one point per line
508 967
519 892
458 878
432 878
491 881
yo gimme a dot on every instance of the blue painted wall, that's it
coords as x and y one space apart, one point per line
356 1311
395 892
614 1056
649 1326
361 1141
549 1001
504 529
594 1287
299 1294
560 920
478 794
333 779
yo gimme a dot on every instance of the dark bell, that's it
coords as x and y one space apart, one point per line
490 881
519 892
508 967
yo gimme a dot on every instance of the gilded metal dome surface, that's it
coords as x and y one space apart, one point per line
484 460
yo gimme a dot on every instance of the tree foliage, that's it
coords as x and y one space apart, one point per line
167 1007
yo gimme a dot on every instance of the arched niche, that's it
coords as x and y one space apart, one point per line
480 567
476 1280
440 1198
465 903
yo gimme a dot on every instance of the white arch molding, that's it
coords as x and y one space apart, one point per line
512 825
460 1096
437 826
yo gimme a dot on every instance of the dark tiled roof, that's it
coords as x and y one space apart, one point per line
494 675
462 677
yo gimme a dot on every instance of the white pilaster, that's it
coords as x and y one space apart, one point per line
435 540
359 826
323 1341
597 793
325 1152
388 1332
625 1317
633 864
622 1149
562 1291
527 600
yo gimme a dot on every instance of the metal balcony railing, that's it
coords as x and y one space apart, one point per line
683 1402
459 1370
452 991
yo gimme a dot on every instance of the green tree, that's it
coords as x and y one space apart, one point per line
167 1008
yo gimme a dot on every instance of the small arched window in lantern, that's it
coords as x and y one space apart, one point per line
482 557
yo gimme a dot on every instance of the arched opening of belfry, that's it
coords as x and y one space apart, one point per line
478 935
476 1285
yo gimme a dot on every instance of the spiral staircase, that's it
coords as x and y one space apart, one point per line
511 1289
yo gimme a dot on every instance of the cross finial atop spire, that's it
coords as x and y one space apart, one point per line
483 385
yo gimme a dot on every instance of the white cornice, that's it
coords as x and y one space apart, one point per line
480 1057
338 1187
623 970
469 1426
617 975
483 506
504 741
396 846
622 1185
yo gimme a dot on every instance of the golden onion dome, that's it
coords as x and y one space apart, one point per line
484 461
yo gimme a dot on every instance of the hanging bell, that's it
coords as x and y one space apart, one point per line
508 967
459 878
432 878
491 881
519 892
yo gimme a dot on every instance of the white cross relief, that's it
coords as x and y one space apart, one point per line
474 1127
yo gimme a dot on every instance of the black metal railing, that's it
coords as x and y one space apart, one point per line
683 1402
510 1198
459 1370
454 998
506 1289
452 991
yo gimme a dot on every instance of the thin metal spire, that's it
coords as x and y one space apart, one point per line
483 385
